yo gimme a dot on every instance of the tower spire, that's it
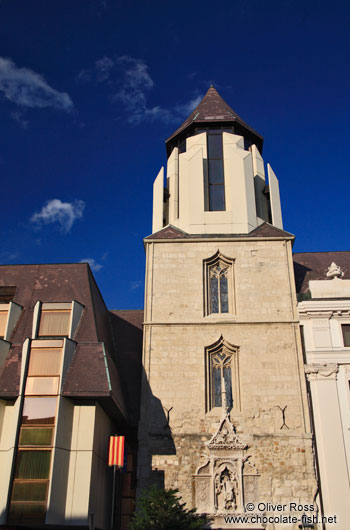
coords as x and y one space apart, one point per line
213 111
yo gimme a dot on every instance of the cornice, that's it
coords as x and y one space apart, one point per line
321 372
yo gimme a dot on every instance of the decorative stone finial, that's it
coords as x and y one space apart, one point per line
334 271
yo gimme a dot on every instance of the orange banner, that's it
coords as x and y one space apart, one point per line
116 451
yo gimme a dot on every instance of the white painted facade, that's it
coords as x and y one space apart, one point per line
327 370
246 205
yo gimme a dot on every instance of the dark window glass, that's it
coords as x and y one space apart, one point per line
228 386
247 144
35 436
216 172
214 146
216 198
40 411
223 294
182 147
216 387
346 334
214 300
32 512
33 464
30 491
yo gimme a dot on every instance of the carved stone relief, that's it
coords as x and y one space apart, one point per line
221 482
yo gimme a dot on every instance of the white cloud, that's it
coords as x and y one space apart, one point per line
18 117
26 88
104 67
130 83
95 267
135 284
185 109
63 213
8 256
133 91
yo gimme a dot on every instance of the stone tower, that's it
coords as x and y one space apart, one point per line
224 414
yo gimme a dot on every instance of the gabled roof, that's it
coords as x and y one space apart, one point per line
211 109
104 346
314 266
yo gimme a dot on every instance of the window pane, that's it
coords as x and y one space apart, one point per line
223 294
3 321
41 386
39 411
346 334
228 385
182 147
33 512
35 436
214 146
216 198
54 323
216 171
29 491
247 144
33 464
44 361
214 302
216 387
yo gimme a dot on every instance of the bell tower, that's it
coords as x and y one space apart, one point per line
224 415
215 180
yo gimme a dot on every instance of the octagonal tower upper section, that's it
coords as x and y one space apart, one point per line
215 180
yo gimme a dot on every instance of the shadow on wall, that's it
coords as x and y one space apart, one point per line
156 436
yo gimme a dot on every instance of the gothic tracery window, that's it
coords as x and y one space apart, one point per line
222 375
219 285
221 382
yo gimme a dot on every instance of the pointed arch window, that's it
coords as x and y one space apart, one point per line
222 382
219 284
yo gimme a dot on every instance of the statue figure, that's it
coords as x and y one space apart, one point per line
225 491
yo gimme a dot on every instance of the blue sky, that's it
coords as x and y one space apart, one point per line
90 90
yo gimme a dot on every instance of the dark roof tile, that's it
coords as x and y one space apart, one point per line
213 108
314 266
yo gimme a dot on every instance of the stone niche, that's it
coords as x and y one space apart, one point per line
227 480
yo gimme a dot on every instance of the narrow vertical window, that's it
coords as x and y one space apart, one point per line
221 380
346 334
216 182
222 376
219 294
3 319
34 453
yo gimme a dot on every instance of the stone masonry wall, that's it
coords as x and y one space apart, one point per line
175 423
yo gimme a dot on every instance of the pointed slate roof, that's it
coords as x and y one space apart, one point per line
211 109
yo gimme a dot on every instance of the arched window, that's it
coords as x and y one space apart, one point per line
219 295
222 375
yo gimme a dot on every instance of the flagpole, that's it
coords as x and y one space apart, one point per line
113 497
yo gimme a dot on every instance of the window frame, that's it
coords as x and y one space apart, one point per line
221 346
4 309
343 324
208 265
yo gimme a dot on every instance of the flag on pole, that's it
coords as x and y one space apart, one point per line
116 451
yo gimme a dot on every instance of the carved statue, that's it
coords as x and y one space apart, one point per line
226 491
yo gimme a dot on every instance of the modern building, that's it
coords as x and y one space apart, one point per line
224 412
323 281
207 384
69 378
